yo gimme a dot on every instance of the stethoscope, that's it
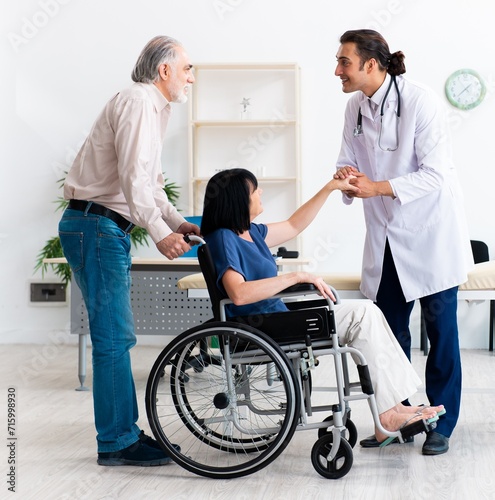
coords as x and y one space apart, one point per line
358 129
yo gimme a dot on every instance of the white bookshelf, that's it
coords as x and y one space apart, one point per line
266 141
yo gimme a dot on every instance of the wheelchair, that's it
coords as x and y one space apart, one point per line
224 398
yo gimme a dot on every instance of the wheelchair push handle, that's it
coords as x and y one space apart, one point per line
192 237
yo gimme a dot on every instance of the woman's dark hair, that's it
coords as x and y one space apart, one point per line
371 45
226 203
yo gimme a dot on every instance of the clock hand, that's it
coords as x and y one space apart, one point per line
464 90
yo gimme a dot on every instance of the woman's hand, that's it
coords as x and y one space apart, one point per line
344 181
344 172
318 282
346 185
343 177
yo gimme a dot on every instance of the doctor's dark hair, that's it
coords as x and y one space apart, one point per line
226 203
159 50
371 45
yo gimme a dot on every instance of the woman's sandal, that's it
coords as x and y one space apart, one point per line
425 425
427 407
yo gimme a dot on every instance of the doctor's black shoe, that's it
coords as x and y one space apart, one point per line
138 454
435 444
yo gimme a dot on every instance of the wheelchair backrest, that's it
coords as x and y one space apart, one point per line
313 321
208 269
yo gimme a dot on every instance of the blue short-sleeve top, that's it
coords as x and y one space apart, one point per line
253 260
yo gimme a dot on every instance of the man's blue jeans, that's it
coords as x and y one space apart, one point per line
98 252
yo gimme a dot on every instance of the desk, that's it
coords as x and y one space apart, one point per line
159 307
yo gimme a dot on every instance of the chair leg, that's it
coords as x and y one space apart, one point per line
492 324
424 336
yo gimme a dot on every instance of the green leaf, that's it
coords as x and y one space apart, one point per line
51 250
172 191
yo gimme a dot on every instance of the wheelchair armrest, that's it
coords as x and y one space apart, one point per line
298 290
305 289
300 287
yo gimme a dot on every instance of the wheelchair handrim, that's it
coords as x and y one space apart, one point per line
266 447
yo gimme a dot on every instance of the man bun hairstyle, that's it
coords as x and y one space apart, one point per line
371 45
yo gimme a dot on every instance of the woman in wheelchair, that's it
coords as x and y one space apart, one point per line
247 274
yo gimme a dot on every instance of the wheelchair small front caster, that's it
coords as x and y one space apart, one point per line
341 463
350 434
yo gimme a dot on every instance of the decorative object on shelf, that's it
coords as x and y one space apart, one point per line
53 248
465 89
245 113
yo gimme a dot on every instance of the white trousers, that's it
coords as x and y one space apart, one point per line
363 326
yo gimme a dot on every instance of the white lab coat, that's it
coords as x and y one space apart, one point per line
425 223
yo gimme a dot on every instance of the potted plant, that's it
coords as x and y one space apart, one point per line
53 248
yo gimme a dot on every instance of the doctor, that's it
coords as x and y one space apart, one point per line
396 145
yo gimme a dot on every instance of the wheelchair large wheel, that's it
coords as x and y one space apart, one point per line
209 393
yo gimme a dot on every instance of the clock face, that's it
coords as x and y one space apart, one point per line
465 89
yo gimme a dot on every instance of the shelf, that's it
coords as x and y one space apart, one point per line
261 180
246 66
242 123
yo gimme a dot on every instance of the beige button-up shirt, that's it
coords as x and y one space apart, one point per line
119 164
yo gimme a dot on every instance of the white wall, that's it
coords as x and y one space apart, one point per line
62 59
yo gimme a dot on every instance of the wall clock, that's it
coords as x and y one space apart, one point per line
465 89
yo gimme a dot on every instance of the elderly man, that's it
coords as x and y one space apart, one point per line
114 184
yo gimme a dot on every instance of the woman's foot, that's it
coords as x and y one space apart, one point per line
392 420
424 409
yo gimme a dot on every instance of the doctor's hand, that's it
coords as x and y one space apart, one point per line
348 173
344 172
368 188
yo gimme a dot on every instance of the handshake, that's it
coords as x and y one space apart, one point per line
356 184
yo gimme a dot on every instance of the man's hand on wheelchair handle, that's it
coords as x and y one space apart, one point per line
173 246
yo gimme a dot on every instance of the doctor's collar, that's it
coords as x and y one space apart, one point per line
377 97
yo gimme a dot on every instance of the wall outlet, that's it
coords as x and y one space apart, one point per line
48 293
